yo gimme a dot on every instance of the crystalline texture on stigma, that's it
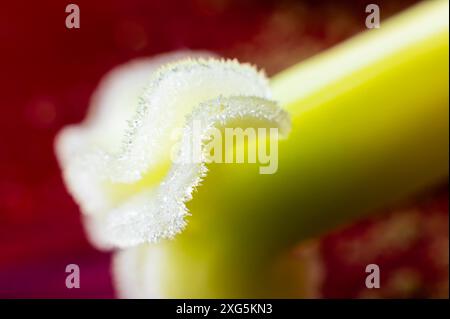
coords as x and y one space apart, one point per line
128 135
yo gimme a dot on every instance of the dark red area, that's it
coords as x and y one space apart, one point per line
409 244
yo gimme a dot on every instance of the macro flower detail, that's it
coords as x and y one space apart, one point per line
366 126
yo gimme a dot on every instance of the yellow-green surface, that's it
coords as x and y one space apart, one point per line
370 127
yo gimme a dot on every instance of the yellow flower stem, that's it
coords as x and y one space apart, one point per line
370 127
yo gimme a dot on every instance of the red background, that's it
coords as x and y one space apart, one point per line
48 72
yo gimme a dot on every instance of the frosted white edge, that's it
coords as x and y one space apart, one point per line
215 91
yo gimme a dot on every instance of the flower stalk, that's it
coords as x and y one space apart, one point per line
369 128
